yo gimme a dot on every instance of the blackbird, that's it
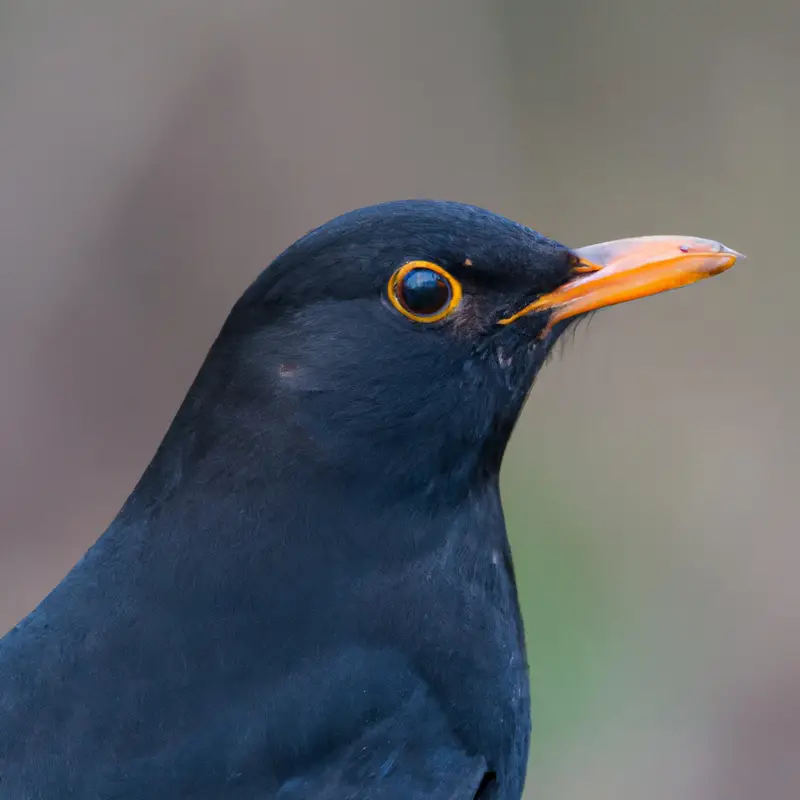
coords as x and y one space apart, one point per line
309 593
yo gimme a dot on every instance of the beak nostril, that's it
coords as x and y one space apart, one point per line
583 267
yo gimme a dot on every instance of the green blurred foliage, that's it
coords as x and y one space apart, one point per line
566 602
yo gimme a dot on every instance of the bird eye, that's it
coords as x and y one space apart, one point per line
424 292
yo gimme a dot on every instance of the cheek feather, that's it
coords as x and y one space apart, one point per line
505 361
473 317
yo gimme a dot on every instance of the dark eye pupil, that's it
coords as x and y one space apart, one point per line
424 292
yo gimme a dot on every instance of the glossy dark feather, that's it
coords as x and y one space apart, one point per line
310 592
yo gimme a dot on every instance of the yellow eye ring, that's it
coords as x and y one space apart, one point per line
424 292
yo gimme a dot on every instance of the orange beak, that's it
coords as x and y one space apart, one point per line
626 269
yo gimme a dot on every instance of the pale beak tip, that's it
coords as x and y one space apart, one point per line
730 251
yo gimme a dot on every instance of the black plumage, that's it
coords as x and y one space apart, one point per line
309 594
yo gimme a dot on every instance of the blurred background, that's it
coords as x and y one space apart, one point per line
156 155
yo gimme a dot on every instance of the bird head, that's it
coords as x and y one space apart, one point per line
402 340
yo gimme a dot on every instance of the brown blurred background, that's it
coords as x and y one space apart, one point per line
156 155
